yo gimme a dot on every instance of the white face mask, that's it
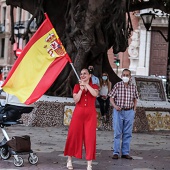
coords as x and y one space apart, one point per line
125 79
104 77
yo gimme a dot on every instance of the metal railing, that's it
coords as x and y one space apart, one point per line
33 25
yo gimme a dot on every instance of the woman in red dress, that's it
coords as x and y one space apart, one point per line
82 128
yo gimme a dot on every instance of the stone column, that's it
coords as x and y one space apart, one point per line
133 51
144 52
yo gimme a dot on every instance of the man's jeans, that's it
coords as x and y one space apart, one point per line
123 125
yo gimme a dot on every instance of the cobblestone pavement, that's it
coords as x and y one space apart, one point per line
150 151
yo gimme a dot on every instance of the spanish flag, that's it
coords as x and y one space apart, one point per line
38 65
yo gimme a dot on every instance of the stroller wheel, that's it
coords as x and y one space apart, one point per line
33 159
20 161
4 153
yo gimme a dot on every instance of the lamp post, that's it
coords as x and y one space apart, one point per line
147 19
19 30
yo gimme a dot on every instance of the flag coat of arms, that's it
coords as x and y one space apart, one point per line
38 66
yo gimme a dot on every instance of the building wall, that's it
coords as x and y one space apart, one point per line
145 43
7 56
137 55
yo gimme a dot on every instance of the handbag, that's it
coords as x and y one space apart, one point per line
20 143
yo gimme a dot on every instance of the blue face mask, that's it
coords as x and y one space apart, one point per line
104 77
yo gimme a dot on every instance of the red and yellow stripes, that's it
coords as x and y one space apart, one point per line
37 67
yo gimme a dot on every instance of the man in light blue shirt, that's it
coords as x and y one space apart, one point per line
95 79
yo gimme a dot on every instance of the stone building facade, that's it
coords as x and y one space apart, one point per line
147 53
7 56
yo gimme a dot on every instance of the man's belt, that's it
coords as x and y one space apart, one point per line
127 108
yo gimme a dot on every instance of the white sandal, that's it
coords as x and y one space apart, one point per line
69 165
89 167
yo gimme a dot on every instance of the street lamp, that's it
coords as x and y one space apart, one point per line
147 21
19 30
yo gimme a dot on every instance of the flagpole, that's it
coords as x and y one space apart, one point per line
75 71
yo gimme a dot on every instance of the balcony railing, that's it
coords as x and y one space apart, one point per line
33 25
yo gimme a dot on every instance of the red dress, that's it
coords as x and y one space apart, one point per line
82 128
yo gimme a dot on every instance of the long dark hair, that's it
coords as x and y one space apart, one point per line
107 82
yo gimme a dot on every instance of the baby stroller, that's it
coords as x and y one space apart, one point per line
18 145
